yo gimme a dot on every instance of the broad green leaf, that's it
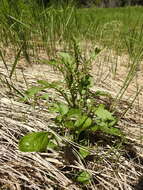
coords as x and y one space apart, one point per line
95 128
102 123
83 92
60 108
67 58
84 153
34 142
84 177
105 128
103 114
86 124
69 124
112 123
80 121
33 91
52 145
63 108
59 119
111 131
54 108
101 93
74 113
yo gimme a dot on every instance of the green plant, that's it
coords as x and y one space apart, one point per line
49 27
83 177
79 114
37 142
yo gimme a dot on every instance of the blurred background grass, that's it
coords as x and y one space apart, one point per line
33 26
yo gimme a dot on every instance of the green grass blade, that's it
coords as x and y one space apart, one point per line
15 61
4 62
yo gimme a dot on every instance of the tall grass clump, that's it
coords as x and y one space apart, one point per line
48 27
16 30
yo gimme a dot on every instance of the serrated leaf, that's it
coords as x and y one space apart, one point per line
34 142
84 177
